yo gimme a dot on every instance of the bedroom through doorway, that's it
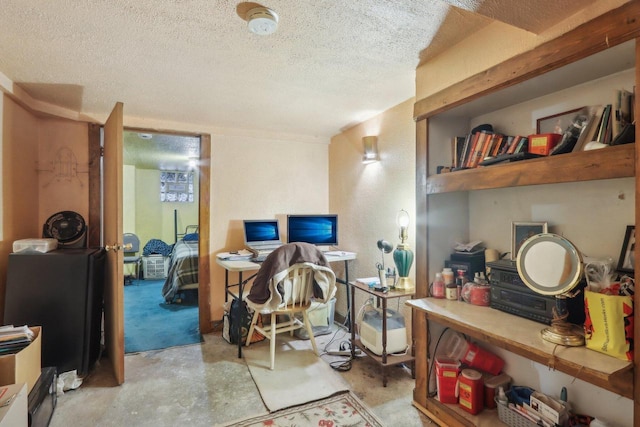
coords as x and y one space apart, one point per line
160 208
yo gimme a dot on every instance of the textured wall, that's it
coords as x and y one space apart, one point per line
367 197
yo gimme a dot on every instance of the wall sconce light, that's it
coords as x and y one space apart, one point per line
403 256
370 145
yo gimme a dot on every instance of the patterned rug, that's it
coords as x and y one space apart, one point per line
340 410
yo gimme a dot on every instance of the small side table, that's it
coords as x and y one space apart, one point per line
384 360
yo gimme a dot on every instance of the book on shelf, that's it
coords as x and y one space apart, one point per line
514 144
604 124
590 128
498 141
487 147
478 150
627 99
471 149
519 145
617 112
462 156
508 140
457 147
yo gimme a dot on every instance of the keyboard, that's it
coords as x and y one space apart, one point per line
259 258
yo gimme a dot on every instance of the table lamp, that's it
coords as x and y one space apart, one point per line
402 255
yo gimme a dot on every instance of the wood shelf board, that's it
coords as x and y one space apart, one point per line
605 163
391 360
451 414
522 336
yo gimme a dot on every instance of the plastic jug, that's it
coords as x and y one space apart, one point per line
472 355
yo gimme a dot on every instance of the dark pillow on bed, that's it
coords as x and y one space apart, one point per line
191 237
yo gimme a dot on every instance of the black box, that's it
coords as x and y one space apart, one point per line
43 398
471 263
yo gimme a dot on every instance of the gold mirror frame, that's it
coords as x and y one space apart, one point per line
549 264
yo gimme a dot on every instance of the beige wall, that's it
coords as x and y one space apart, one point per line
367 197
492 45
255 178
19 182
252 176
44 171
62 168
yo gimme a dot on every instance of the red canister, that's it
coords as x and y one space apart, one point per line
470 391
477 294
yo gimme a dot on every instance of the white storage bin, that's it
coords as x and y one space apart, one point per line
35 245
155 267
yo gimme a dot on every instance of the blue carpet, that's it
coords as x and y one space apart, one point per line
151 324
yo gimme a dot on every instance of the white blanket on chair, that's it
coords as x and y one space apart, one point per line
324 278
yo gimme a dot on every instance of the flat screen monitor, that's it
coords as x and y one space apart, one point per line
320 230
261 231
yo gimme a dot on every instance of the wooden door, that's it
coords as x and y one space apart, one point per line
113 232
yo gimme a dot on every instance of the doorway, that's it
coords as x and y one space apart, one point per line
161 184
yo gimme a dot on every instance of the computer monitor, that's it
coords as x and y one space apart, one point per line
320 230
261 232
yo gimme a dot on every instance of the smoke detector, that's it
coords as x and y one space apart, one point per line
262 21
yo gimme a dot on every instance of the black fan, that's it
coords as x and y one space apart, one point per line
67 227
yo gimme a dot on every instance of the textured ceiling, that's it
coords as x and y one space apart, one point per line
330 65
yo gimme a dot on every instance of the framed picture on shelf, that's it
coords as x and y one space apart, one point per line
521 231
556 123
626 261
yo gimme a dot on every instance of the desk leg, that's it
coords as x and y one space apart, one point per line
240 314
350 301
226 285
352 321
384 342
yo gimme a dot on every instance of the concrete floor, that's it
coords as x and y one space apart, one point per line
206 384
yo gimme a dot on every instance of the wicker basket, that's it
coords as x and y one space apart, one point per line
511 417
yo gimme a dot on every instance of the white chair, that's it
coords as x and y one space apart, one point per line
296 289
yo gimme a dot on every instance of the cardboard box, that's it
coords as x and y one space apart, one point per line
543 143
23 366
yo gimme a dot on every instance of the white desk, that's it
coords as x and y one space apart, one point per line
241 267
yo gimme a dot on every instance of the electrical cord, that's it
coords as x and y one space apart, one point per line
435 351
343 364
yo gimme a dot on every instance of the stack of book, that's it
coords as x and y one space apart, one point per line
13 339
470 150
603 124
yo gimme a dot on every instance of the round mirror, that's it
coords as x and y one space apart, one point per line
549 264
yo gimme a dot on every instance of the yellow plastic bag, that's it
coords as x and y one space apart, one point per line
608 325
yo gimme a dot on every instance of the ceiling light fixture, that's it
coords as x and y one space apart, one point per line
262 21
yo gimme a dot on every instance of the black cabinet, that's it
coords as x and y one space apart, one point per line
62 291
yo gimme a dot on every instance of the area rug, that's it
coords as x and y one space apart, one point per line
152 324
343 409
299 375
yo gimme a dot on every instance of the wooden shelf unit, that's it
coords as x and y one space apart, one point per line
547 68
613 162
522 336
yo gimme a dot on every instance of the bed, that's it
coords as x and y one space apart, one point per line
183 267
